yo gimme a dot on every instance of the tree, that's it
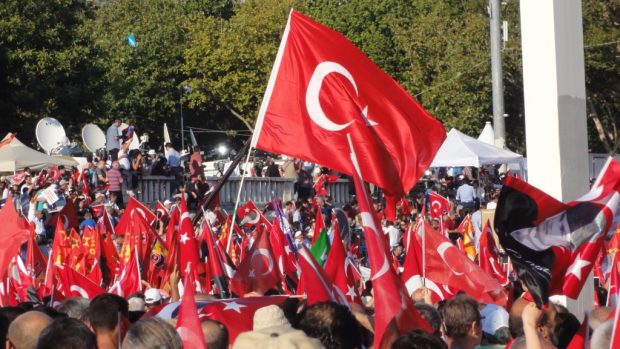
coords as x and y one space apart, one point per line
48 67
601 48
141 82
228 62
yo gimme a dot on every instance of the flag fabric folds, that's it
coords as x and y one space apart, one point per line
553 246
323 87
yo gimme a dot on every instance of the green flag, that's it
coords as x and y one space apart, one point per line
321 246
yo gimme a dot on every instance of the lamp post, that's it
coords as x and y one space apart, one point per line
183 89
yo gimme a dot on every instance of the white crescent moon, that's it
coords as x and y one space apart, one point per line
81 291
433 205
141 211
369 222
441 249
493 265
264 252
65 220
161 212
312 94
255 220
415 282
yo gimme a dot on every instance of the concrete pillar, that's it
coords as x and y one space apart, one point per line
555 104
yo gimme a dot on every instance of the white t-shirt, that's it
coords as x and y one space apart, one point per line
123 160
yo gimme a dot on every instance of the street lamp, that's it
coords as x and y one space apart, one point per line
183 89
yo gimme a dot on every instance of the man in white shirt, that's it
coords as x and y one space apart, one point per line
393 233
465 195
112 139
174 161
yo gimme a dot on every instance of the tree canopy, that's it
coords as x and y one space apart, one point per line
70 59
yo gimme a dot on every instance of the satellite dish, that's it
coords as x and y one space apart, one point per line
93 137
135 142
50 134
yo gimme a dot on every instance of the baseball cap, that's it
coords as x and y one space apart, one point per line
152 295
493 317
167 202
152 152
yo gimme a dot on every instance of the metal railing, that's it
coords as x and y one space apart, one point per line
258 189
150 189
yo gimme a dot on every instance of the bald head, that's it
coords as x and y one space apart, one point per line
215 333
25 329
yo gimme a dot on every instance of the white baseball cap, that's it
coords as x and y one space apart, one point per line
493 317
152 295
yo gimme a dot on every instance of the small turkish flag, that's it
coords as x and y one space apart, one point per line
439 205
323 87
258 271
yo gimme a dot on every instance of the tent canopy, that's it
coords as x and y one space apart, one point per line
461 150
15 156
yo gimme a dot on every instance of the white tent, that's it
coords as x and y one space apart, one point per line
15 156
461 150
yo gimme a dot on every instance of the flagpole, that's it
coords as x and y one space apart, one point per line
423 253
261 113
234 213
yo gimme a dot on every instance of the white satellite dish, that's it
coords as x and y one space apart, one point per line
50 134
135 141
93 137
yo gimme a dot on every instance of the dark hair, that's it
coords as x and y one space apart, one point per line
566 325
67 333
431 315
458 315
418 339
333 324
102 313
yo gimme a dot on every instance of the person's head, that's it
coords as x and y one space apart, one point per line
494 325
102 314
152 298
67 333
74 307
215 333
136 302
333 324
558 326
418 339
462 322
101 164
25 329
117 122
152 333
431 315
397 250
168 145
601 337
116 165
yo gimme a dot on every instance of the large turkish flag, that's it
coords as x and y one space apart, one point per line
322 88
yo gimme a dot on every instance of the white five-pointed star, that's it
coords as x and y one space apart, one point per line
247 210
234 306
350 292
184 238
251 274
576 267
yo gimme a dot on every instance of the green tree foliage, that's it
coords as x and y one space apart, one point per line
601 22
228 62
47 66
141 82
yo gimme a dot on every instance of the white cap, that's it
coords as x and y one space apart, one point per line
269 316
152 295
167 202
493 317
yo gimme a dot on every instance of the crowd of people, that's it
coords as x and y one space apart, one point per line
134 321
